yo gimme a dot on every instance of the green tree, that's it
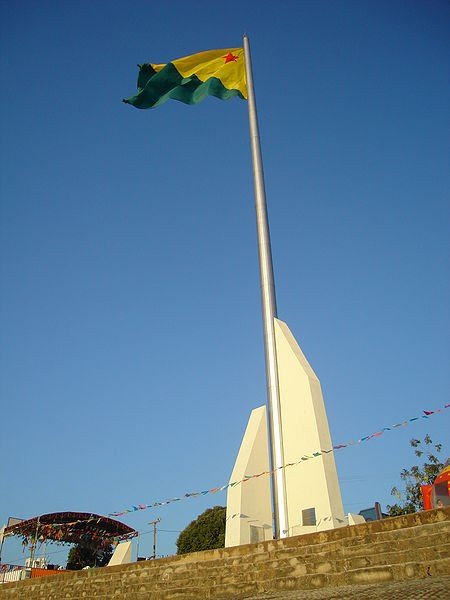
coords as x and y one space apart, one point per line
205 533
410 500
81 556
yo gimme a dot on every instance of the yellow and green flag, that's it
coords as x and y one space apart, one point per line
219 73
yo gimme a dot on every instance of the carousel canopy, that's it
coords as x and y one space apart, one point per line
72 528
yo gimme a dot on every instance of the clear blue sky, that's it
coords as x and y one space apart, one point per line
131 349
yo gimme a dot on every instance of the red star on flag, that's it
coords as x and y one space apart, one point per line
230 57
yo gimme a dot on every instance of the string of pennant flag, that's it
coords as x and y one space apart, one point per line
48 531
138 507
267 526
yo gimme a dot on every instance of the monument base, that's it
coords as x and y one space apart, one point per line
313 496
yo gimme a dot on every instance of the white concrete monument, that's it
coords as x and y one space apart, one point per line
313 497
249 505
122 554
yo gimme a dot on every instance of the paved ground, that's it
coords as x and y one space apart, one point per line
416 589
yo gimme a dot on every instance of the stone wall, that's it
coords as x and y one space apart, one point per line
397 549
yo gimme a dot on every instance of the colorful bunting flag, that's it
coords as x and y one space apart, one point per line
426 415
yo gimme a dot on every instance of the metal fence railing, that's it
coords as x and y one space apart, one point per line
10 573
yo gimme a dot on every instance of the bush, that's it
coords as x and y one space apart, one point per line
205 533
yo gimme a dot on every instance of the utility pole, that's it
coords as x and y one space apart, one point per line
154 523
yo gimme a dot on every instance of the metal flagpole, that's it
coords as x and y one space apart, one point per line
269 311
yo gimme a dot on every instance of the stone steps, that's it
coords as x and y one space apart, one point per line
400 549
367 575
306 563
306 576
316 566
371 539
